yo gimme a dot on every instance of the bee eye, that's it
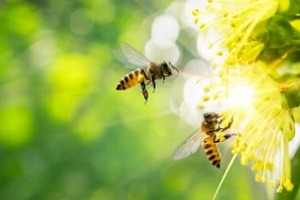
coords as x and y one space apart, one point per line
207 115
165 65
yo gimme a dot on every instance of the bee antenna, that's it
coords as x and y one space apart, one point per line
174 68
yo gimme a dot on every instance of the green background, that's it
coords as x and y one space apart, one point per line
66 133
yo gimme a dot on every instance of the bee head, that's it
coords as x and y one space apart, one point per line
167 68
210 116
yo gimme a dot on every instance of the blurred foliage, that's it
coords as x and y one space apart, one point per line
66 133
294 194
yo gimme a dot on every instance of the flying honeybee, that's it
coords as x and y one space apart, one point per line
207 134
153 72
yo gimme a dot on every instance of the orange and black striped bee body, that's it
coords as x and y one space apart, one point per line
206 135
153 72
211 151
135 77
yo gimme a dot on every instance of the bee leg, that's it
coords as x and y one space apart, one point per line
228 126
215 140
218 129
227 136
144 91
153 83
163 78
224 128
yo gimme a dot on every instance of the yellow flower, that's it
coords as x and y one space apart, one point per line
232 30
254 100
236 24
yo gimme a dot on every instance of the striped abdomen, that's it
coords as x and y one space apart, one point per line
133 78
211 151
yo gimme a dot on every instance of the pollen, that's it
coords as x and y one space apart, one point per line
215 97
257 177
244 161
234 151
251 158
205 98
219 53
195 12
201 106
279 189
271 184
221 137
202 25
206 89
141 78
288 185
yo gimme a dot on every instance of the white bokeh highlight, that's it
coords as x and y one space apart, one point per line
169 53
165 28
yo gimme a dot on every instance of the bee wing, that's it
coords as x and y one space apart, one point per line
189 146
133 56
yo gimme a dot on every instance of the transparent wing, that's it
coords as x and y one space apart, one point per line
133 56
189 146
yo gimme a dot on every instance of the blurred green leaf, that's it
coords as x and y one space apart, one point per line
292 195
280 32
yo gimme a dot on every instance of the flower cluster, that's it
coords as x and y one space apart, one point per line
252 82
266 125
239 23
246 68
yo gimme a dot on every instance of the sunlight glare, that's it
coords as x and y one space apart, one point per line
240 96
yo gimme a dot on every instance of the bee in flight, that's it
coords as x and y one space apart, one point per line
153 72
207 133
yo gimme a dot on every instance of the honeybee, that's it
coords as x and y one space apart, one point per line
207 133
153 72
